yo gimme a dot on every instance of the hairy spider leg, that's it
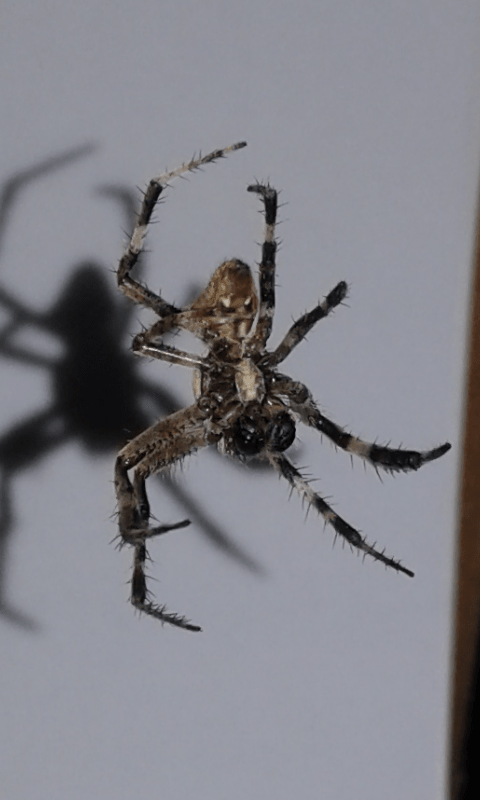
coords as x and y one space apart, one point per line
162 444
286 469
145 343
263 328
130 287
302 326
139 592
143 346
388 458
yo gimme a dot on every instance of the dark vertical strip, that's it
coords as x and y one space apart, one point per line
465 771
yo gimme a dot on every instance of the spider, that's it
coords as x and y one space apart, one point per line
243 404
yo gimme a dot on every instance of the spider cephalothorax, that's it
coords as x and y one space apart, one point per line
243 405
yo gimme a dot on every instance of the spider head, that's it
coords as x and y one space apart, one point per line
227 306
252 432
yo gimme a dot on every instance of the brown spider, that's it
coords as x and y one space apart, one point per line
243 404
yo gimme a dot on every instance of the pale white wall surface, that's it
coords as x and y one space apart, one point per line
319 676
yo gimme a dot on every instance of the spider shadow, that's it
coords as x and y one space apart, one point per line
91 323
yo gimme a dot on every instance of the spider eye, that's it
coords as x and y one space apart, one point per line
281 432
247 439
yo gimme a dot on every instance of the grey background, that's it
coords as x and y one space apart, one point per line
324 676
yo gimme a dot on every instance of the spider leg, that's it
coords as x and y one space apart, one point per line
130 287
139 592
287 470
162 444
388 458
166 353
146 344
266 310
302 326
